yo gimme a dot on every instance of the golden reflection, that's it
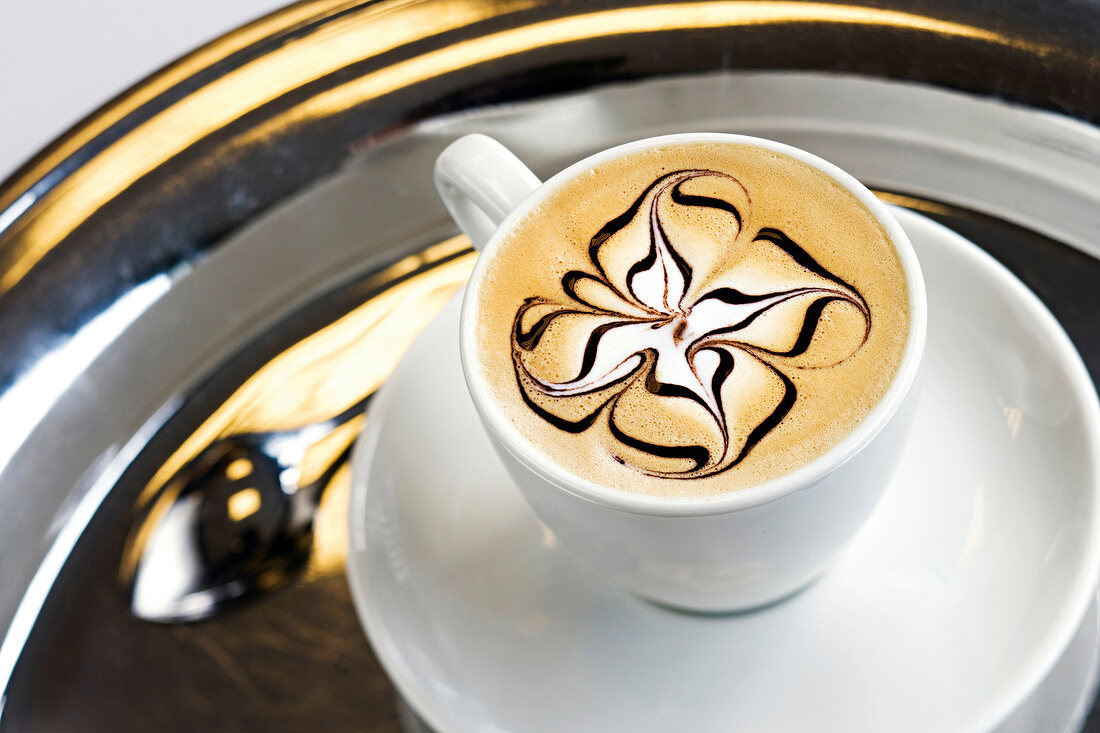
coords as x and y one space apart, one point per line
374 30
917 204
140 536
332 369
320 376
330 527
380 28
163 80
621 21
325 452
243 504
238 469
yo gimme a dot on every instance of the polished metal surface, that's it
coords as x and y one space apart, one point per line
234 522
247 242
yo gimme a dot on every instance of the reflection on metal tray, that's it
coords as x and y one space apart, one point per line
248 242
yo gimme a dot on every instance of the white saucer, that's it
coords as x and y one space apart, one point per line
1061 702
947 612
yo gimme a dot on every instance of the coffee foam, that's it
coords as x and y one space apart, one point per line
692 319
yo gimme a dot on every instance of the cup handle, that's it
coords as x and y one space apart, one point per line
481 182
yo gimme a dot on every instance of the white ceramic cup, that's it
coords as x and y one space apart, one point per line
737 551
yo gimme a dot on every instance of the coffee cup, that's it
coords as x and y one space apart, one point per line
696 355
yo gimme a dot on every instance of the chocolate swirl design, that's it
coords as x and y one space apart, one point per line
652 351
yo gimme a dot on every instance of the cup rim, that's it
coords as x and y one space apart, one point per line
803 477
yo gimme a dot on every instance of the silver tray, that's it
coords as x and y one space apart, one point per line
218 250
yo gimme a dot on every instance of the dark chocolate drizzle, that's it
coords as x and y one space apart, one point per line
606 381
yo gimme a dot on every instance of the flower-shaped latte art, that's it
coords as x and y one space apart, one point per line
683 372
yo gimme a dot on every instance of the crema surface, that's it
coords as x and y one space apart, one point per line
692 319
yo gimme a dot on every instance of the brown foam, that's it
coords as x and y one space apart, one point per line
778 192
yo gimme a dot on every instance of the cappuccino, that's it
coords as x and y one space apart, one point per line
691 319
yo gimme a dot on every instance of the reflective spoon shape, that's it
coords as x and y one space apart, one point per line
235 521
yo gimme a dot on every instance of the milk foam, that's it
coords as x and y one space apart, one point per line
669 345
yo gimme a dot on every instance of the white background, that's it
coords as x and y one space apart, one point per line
61 59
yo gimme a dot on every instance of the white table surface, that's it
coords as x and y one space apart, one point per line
61 59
